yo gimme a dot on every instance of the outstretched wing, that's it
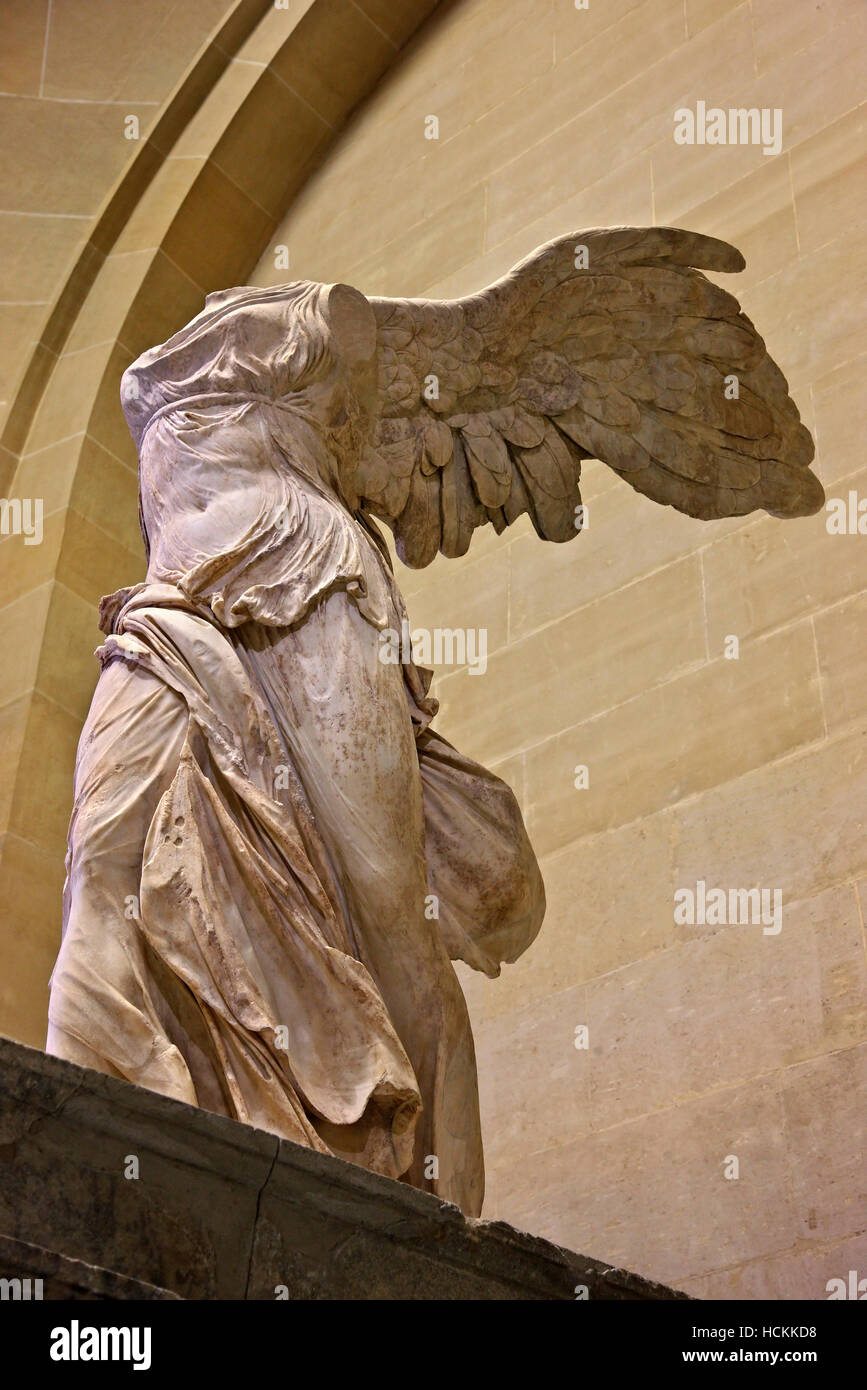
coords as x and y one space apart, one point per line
606 344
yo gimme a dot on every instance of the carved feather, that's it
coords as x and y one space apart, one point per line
488 404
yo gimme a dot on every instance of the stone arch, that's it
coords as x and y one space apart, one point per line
253 116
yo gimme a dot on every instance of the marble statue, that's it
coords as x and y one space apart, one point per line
273 856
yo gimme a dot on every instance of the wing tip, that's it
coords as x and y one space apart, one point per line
804 495
705 252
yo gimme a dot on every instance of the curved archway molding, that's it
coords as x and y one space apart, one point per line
255 114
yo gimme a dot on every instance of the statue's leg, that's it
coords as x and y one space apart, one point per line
106 1010
345 719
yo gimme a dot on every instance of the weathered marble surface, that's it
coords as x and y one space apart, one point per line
273 856
221 1210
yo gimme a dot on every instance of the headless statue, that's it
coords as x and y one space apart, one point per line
273 857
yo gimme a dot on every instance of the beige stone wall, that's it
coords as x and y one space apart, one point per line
704 1042
71 72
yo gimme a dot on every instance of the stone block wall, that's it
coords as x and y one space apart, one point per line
705 1042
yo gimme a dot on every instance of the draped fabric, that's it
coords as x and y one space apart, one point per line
272 855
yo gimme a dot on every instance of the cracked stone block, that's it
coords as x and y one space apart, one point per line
33 1273
110 1191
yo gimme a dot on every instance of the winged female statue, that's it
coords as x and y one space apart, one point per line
273 857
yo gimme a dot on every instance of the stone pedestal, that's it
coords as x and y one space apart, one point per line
108 1191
